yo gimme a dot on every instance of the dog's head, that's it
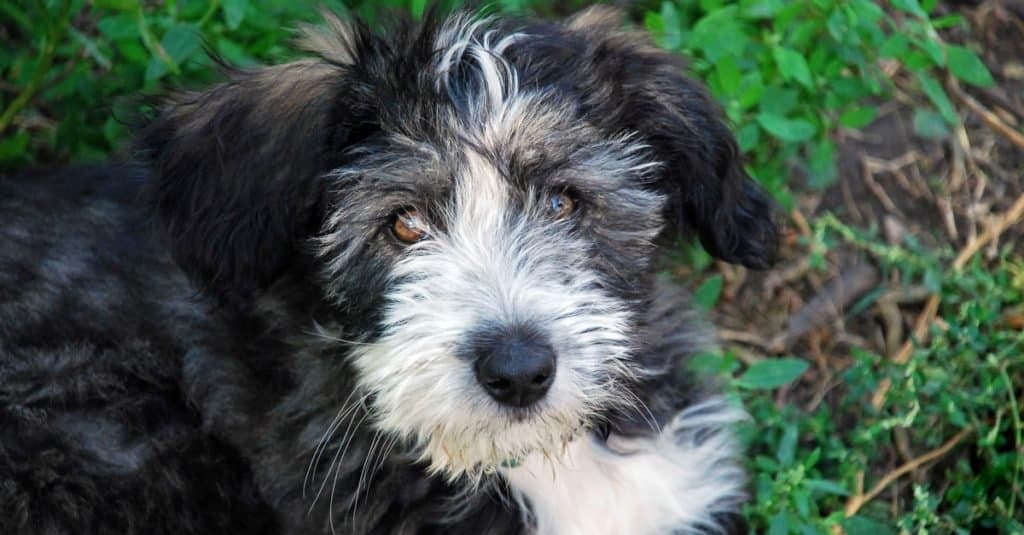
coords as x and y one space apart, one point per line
488 197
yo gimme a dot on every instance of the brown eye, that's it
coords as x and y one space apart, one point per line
561 205
409 226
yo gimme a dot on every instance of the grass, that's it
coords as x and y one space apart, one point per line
894 410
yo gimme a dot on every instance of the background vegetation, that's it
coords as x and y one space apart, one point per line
881 362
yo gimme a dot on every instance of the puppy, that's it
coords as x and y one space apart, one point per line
407 285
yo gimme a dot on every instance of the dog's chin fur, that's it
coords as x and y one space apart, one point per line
227 335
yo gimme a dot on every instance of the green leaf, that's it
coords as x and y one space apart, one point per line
655 25
930 125
234 53
13 147
967 66
858 117
114 131
155 69
120 27
119 5
794 130
673 37
729 76
181 41
793 66
711 5
895 46
915 60
779 524
753 90
802 501
707 294
761 9
718 34
827 487
938 96
777 100
823 164
417 7
772 373
708 363
787 445
910 6
868 299
934 50
837 25
861 525
868 11
133 52
948 21
234 12
748 136
766 464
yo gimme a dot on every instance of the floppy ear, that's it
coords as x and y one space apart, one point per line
236 169
632 85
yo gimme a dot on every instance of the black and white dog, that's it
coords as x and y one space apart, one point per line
405 286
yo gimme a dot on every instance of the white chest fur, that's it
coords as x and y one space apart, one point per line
673 482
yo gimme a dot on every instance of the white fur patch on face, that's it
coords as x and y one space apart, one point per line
494 264
670 483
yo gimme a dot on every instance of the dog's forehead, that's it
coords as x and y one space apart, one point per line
481 105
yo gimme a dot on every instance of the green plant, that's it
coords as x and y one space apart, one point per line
80 78
789 74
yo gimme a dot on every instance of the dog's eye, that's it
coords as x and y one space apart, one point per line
409 226
561 205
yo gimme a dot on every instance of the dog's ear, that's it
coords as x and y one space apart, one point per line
632 85
236 169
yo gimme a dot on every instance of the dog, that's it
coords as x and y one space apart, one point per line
408 284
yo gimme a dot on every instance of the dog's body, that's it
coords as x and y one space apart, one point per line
426 299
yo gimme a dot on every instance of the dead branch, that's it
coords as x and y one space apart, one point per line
855 502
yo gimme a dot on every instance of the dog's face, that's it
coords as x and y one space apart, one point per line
512 245
486 200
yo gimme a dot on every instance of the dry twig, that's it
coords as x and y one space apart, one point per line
991 119
858 500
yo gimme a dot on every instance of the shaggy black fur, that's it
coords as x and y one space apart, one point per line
157 371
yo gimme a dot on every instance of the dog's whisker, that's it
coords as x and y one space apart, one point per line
325 438
336 464
368 461
637 405
332 338
339 455
346 411
386 451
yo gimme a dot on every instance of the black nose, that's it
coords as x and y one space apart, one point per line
516 368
